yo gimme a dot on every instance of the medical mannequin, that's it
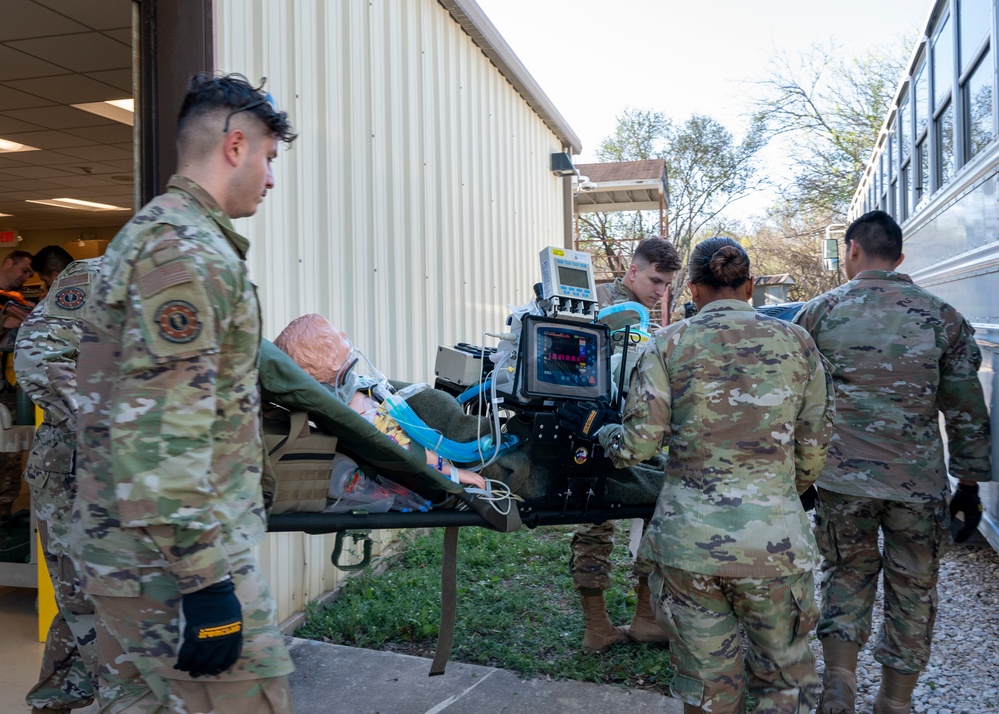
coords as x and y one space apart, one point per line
326 354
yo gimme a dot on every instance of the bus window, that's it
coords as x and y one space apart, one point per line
945 145
978 106
975 19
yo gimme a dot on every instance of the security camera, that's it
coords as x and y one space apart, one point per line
587 186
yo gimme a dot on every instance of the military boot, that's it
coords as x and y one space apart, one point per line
600 633
691 709
895 693
839 682
643 627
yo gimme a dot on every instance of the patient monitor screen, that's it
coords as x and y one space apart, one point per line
565 360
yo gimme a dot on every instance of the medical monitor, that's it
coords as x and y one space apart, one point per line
563 358
567 275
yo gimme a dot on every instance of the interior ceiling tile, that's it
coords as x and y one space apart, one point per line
97 153
84 52
42 158
10 125
123 166
54 53
98 183
18 65
11 98
100 15
105 134
117 78
65 89
48 140
33 20
124 35
58 117
25 185
94 168
33 171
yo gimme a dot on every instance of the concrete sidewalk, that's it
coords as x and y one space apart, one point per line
348 680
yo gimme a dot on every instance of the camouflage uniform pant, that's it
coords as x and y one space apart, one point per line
702 615
137 640
590 562
10 462
915 537
68 675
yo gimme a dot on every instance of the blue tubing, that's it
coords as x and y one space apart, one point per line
462 453
474 391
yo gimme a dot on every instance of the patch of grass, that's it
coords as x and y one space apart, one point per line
517 609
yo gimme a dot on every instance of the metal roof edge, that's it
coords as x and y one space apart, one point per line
484 34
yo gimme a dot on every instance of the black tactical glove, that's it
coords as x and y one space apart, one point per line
213 631
966 501
808 497
585 419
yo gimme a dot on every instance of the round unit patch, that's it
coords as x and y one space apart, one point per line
178 321
581 455
71 298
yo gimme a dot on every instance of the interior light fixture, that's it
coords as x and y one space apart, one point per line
7 147
77 204
120 110
6 215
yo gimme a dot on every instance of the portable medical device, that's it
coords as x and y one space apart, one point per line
567 281
561 359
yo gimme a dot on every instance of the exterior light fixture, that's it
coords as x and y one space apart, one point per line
562 165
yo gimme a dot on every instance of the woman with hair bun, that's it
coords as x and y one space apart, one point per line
743 403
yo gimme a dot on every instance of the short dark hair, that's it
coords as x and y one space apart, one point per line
209 92
878 235
51 259
16 255
659 252
719 263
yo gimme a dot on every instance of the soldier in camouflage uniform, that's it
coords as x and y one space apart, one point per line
649 276
14 272
170 453
744 405
45 362
898 357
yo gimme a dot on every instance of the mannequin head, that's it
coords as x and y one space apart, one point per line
316 345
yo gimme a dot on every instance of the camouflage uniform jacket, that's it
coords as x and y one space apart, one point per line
744 403
614 293
898 356
169 453
45 363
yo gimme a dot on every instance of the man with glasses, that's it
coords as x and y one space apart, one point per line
170 454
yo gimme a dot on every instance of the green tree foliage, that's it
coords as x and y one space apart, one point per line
831 109
825 111
706 171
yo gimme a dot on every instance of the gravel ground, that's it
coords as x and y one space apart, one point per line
963 673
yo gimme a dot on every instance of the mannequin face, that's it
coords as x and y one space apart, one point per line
339 348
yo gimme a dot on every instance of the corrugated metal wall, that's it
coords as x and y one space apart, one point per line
411 209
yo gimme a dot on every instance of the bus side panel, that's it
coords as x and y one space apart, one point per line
953 251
